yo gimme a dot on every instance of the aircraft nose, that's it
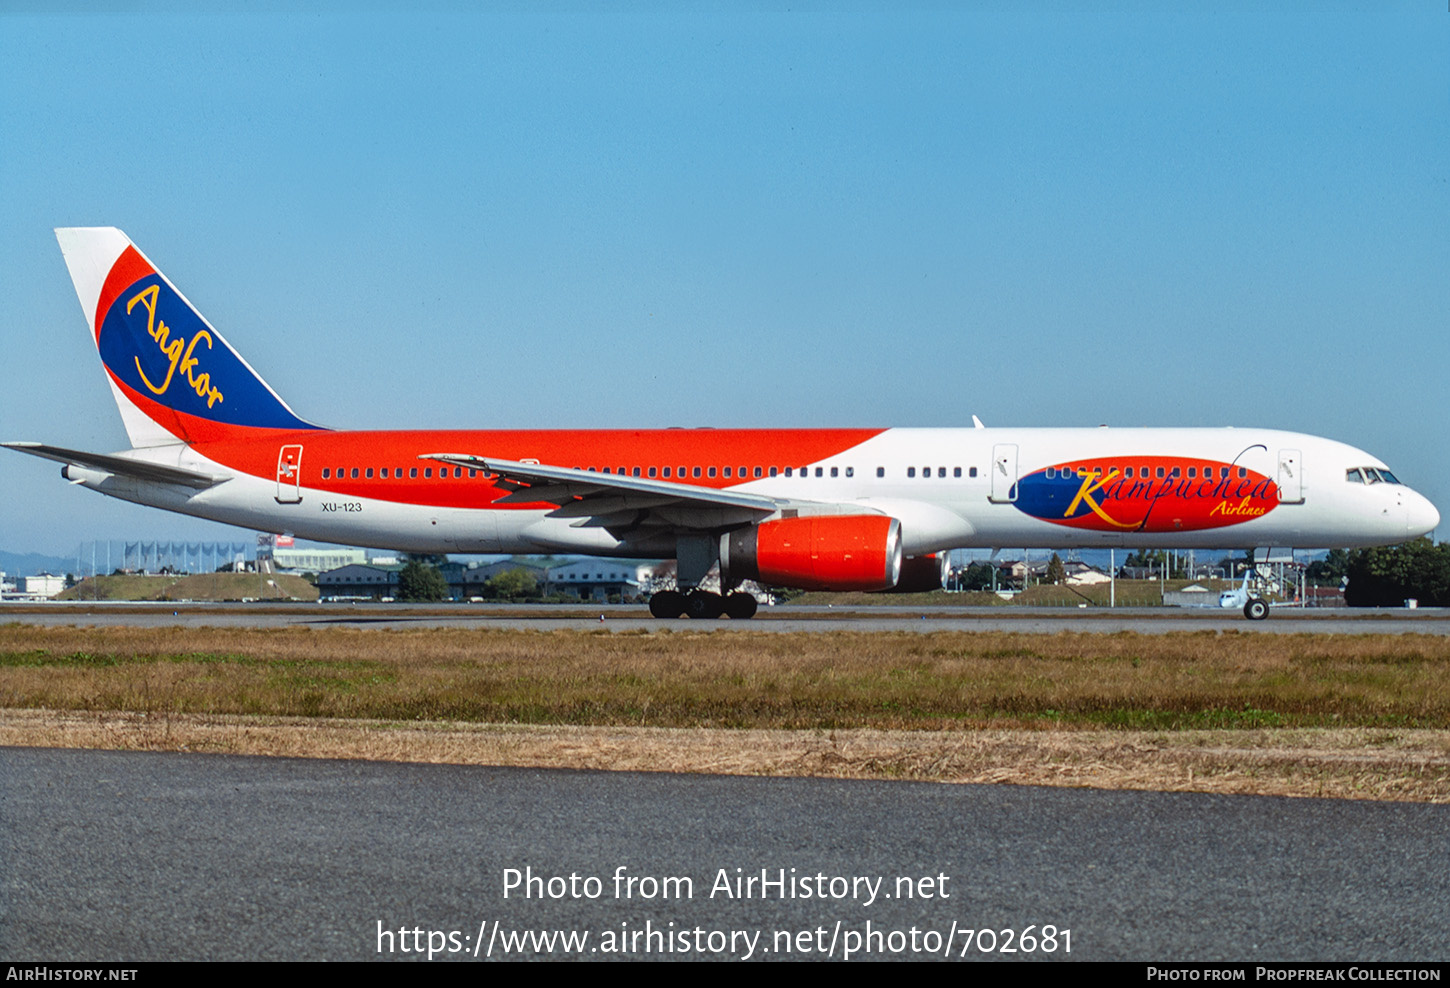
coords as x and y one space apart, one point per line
1421 517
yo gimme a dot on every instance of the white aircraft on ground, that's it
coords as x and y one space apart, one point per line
870 509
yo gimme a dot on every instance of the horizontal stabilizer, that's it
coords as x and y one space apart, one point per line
121 466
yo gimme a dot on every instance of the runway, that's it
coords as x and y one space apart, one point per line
150 856
787 618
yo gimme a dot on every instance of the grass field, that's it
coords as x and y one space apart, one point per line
197 586
942 680
936 696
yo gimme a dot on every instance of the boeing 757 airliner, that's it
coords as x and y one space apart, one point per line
830 509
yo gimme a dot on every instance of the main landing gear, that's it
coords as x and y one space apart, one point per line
702 604
1256 609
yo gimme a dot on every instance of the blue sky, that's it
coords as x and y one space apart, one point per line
1050 214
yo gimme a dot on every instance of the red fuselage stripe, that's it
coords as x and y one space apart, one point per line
598 449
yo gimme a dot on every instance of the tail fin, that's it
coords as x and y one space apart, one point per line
173 376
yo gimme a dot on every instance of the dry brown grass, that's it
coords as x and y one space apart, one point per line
196 586
942 680
1335 715
1332 763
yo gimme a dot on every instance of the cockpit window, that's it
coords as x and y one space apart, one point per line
1370 475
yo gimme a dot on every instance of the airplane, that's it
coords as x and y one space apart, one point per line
868 509
1254 607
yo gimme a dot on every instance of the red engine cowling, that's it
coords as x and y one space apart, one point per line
819 552
920 574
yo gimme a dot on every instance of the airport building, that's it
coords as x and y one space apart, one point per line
289 559
587 579
598 579
359 581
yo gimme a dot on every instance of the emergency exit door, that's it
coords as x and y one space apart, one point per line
289 475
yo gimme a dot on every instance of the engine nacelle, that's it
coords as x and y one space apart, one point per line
818 552
921 574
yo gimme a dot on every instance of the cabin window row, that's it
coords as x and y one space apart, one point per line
1144 473
396 473
668 473
926 472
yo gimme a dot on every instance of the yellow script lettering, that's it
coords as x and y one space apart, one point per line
178 352
1091 484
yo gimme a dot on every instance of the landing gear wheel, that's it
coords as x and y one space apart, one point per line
740 605
703 604
1256 609
667 604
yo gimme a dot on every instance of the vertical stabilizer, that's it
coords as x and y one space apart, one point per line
174 377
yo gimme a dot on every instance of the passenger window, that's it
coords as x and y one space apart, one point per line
834 472
758 471
471 474
383 473
665 472
695 472
1223 472
911 471
788 472
354 473
972 472
1160 473
1128 473
956 471
326 472
711 471
772 471
850 471
820 471
652 471
413 472
1243 472
941 471
680 473
428 472
727 471
1175 473
634 472
880 471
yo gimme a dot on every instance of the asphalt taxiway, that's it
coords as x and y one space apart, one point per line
614 617
160 856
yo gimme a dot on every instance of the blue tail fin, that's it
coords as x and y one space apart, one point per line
174 377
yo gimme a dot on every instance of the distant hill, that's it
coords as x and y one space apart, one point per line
33 563
201 586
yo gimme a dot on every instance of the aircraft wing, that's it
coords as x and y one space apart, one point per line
613 500
121 466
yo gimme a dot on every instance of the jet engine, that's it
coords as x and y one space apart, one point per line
920 574
817 552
